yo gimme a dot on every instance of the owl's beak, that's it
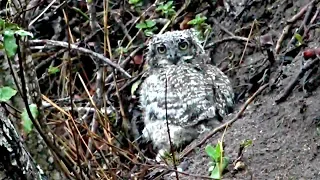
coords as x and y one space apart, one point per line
175 61
174 58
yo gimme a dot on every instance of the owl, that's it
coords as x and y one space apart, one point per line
182 88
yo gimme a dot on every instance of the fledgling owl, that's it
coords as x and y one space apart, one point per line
182 87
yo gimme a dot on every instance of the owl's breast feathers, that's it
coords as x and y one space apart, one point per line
187 94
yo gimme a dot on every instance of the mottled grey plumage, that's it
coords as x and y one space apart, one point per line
197 92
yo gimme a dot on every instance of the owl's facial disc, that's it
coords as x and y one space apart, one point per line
172 51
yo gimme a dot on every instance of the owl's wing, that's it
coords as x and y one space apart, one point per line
221 87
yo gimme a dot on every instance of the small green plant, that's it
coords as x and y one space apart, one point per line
9 30
6 93
166 9
26 121
299 39
147 26
199 20
219 162
167 156
136 4
53 70
199 23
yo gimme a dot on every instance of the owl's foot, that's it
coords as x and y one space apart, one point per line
164 154
157 132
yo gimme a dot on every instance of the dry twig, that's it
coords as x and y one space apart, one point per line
295 81
286 29
84 50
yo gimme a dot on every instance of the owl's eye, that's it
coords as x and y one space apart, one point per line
183 45
162 49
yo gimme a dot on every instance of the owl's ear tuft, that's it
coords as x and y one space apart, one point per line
196 40
196 35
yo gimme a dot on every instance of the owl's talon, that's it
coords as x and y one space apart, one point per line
161 155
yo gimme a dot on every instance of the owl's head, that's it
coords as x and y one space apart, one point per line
173 48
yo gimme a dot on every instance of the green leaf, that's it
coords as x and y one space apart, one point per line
198 20
193 22
10 26
218 150
146 24
24 33
171 11
1 46
2 23
134 1
215 174
6 93
211 151
299 38
214 152
9 43
169 4
150 23
141 25
148 32
225 162
160 6
135 86
166 9
53 70
26 121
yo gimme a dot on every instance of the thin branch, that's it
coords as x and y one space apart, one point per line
168 129
245 47
231 38
287 28
295 81
294 18
126 61
303 25
84 50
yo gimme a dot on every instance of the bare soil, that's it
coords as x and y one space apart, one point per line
285 141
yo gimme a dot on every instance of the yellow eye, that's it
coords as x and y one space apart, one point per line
162 49
183 45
